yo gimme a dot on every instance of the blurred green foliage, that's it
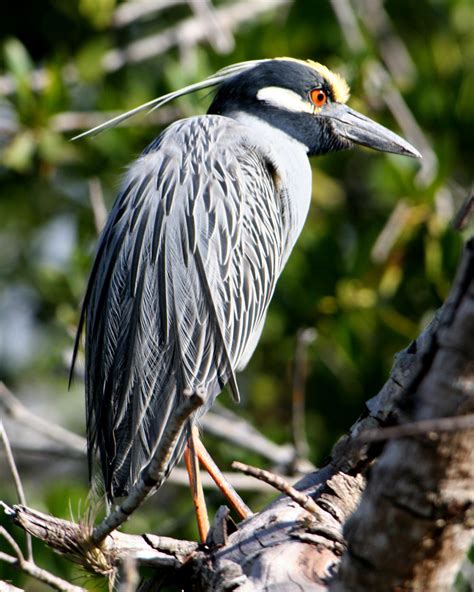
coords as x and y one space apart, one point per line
365 303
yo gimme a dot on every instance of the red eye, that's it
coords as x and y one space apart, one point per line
318 97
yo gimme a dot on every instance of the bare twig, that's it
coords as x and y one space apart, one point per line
278 483
33 570
304 339
18 484
430 427
7 587
349 26
13 544
380 82
187 32
154 473
128 12
16 410
48 578
392 49
220 37
465 214
390 233
8 558
227 425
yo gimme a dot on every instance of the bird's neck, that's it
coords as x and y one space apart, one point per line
290 160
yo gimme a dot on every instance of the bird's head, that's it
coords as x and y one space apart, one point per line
307 101
303 98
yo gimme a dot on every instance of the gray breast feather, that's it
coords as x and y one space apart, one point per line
177 297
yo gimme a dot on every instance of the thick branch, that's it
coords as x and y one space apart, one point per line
74 541
420 495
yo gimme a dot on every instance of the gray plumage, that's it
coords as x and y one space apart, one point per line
193 247
184 273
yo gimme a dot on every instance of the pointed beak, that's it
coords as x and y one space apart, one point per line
355 127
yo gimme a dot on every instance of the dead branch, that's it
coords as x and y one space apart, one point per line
428 427
220 37
29 567
420 494
129 12
74 541
16 410
304 338
391 47
17 481
278 483
187 32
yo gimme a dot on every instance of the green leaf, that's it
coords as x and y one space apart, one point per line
17 59
89 60
20 66
98 12
20 152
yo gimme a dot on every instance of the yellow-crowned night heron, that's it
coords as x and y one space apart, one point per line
194 245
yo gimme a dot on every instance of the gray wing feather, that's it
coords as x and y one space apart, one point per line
184 273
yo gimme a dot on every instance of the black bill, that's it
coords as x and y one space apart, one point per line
358 128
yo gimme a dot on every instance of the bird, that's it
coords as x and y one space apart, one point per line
190 255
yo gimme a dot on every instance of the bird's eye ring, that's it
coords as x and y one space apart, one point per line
318 97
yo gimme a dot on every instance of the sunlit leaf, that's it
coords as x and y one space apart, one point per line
18 155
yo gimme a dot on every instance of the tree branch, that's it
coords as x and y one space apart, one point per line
420 494
32 569
16 410
17 481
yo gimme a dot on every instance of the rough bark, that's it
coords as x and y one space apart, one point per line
420 495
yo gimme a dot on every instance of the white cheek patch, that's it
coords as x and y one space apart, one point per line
284 98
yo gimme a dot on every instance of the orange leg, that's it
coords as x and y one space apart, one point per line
229 492
190 459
